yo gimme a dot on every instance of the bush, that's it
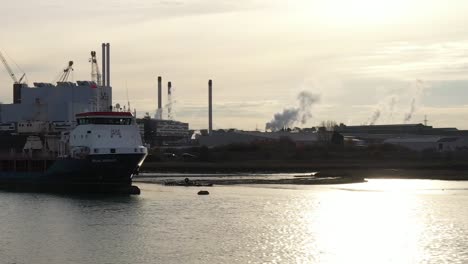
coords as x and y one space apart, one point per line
204 154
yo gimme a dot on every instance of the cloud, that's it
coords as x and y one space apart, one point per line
254 50
436 60
112 12
446 116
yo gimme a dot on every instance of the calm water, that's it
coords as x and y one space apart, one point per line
382 221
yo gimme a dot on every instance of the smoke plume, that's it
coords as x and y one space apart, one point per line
418 91
290 116
409 115
391 107
384 108
374 117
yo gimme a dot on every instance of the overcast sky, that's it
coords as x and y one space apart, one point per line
361 57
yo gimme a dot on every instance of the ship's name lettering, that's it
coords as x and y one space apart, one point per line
115 132
103 160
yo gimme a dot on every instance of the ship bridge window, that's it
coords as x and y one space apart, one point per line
104 121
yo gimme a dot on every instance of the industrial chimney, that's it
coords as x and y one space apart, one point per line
159 92
108 64
158 114
169 101
104 77
210 107
105 64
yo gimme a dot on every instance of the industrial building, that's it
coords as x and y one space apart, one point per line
397 129
432 143
51 103
48 102
164 132
157 132
221 138
416 137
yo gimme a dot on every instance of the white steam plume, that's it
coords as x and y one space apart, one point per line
415 101
375 116
409 115
290 116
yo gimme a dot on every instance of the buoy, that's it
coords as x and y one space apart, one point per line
134 190
203 192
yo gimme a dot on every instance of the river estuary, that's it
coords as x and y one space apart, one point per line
380 221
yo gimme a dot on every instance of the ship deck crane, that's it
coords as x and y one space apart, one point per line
10 71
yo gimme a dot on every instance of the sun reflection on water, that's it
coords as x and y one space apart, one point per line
382 221
352 226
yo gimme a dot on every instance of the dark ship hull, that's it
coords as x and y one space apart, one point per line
108 173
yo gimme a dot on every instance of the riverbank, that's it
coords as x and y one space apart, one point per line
210 180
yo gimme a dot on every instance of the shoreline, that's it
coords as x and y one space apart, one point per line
204 182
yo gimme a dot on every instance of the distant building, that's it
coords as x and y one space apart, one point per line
48 102
397 129
434 143
236 137
157 132
376 134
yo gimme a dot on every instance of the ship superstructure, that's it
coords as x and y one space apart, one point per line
106 133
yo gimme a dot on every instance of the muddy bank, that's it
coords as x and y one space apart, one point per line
209 181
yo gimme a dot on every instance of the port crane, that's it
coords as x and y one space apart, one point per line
66 72
95 74
10 71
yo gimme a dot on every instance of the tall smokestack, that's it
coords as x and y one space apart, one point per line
108 63
103 64
159 92
210 106
169 101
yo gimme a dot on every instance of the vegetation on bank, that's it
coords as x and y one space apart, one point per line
288 151
287 156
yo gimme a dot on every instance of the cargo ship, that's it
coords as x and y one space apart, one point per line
68 136
100 154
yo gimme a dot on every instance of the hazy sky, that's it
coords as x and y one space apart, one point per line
360 56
